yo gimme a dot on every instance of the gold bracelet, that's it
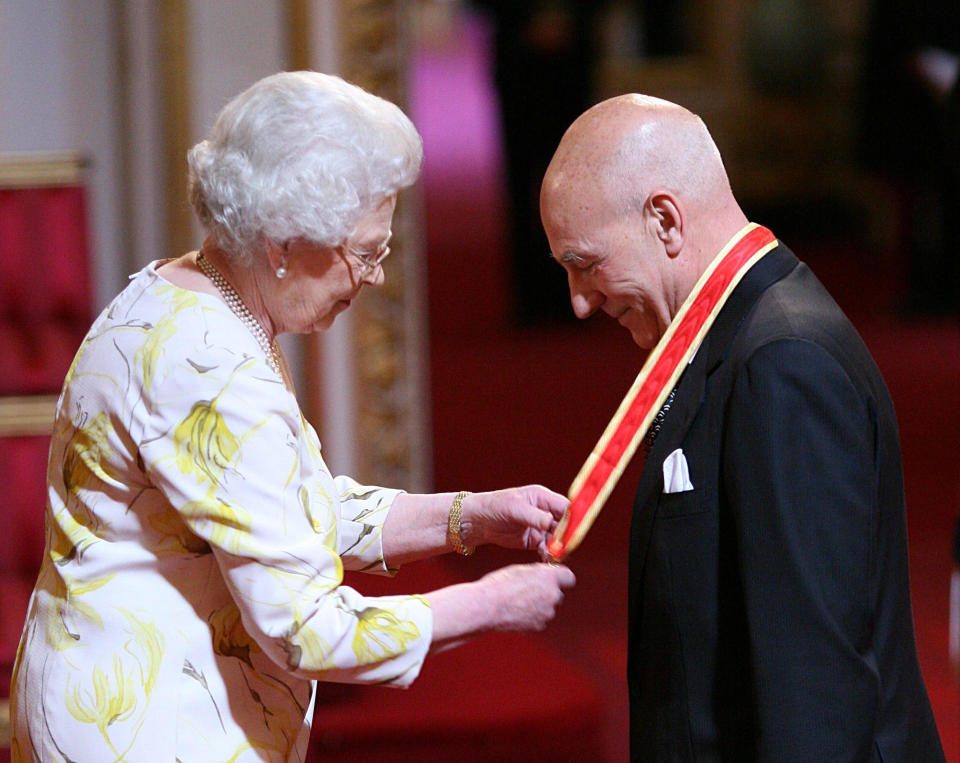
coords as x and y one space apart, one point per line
453 526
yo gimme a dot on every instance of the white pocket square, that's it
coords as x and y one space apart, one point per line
676 473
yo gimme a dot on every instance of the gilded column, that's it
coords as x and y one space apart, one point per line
390 338
381 387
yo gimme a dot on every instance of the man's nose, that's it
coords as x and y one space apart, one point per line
584 302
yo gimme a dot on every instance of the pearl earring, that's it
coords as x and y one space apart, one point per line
282 270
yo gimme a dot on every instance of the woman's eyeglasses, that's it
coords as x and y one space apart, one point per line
370 260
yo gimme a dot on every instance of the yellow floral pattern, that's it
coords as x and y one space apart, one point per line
191 589
230 639
380 633
203 443
88 454
111 700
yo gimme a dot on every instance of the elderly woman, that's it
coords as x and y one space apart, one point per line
191 590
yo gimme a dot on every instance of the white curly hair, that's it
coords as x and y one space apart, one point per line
299 155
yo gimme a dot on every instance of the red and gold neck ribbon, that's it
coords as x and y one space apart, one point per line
650 389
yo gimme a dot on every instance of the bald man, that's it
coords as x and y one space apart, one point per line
769 607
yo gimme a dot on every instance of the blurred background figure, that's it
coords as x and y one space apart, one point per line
544 58
911 138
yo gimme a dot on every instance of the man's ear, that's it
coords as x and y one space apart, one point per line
665 211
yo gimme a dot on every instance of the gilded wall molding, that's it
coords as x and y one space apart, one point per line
32 169
5 732
389 338
27 416
298 22
175 78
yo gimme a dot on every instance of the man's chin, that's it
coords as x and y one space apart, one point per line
643 339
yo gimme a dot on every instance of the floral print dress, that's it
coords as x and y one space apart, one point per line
190 590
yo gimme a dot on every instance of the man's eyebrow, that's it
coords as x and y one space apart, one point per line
572 257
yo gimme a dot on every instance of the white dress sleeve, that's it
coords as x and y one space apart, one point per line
227 445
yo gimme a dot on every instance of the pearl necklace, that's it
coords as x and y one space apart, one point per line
230 296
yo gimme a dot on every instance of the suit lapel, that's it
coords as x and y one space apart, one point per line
685 405
690 393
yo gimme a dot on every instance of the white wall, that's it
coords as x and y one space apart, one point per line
57 86
233 43
141 194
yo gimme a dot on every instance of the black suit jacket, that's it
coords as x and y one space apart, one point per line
769 612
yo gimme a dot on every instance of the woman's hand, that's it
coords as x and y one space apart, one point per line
521 597
519 517
525 597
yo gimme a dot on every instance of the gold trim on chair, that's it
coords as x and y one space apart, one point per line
5 733
27 169
27 416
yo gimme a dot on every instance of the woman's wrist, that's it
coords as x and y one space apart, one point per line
460 525
461 612
418 526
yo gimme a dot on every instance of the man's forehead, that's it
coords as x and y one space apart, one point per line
573 242
577 210
572 188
